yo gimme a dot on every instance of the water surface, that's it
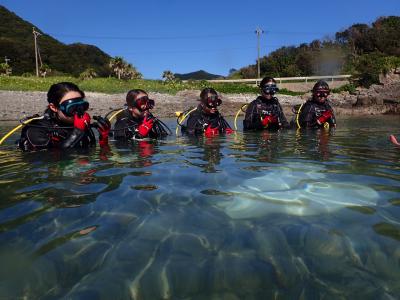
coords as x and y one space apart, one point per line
288 215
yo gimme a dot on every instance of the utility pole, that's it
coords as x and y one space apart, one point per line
258 31
35 35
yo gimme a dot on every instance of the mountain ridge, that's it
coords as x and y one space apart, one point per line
18 46
197 75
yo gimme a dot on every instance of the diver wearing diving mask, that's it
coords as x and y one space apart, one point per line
65 123
265 112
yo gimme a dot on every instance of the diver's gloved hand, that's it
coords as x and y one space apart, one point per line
145 127
82 123
103 126
229 130
325 116
210 131
268 119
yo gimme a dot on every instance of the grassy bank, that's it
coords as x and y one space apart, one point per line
114 86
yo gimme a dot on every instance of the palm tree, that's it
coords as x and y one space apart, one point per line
130 72
168 76
89 73
5 69
117 65
44 69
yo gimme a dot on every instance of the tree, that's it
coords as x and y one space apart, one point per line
44 70
130 72
168 76
369 66
117 66
89 73
123 70
5 69
232 71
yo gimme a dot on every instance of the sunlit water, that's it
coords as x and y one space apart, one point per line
249 216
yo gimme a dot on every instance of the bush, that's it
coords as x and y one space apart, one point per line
368 67
349 87
27 74
89 73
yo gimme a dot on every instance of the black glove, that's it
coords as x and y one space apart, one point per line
103 125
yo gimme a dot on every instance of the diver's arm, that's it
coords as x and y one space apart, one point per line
123 130
282 118
81 128
194 125
34 138
225 127
251 119
307 116
332 120
74 138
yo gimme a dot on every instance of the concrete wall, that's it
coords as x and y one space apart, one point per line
306 87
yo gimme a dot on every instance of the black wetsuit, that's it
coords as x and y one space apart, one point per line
198 121
49 132
260 108
311 111
126 128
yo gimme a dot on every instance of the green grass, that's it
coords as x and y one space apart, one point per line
345 88
114 86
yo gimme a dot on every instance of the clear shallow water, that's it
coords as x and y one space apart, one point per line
251 216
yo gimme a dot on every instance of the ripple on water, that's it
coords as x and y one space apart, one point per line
283 215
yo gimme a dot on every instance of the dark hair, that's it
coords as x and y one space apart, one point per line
321 84
131 96
204 93
266 80
58 90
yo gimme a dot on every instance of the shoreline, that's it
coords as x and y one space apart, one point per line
17 105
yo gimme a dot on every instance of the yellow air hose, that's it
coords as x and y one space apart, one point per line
18 127
181 118
297 116
237 114
116 114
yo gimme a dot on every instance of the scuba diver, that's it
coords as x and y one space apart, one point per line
65 123
136 121
316 112
265 112
206 119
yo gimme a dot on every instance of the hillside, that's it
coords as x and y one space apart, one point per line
17 44
198 75
362 50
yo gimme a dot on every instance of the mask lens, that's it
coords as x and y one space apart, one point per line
151 104
144 103
270 89
74 106
213 102
322 94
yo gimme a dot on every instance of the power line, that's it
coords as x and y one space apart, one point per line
298 32
188 51
199 50
183 37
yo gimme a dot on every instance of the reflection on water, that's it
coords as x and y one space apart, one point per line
288 215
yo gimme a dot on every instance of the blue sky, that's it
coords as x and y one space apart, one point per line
185 36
